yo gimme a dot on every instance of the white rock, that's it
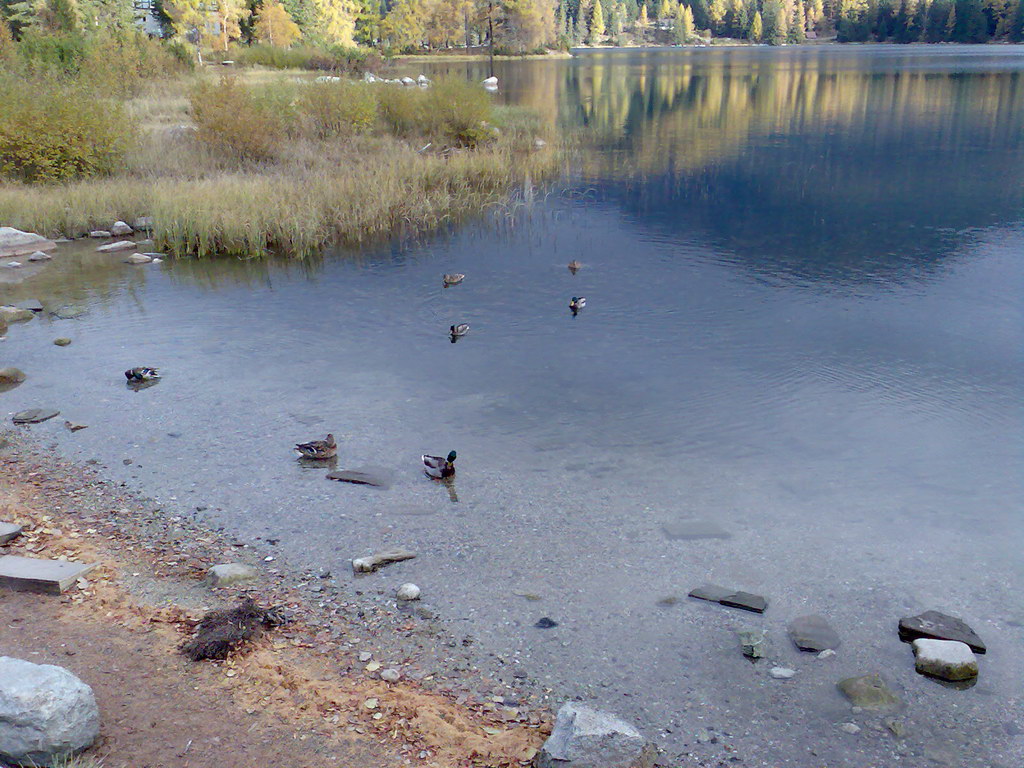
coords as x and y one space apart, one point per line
40 256
138 258
227 574
851 728
13 264
539 143
408 81
490 82
947 659
369 77
120 228
365 655
328 79
390 675
828 653
782 673
158 261
588 738
423 80
408 592
99 233
46 713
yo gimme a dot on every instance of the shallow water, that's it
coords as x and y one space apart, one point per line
803 273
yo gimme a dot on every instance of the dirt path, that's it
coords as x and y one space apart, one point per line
299 696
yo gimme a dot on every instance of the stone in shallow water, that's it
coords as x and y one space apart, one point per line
686 530
782 673
375 476
753 643
32 305
711 592
939 626
545 622
945 659
16 314
745 600
69 313
869 692
34 415
813 633
14 242
120 245
62 341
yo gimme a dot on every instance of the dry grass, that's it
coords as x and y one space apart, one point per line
306 191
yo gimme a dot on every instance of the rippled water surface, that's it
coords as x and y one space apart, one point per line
804 323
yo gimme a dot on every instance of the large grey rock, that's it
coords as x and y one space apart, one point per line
869 692
813 633
9 532
588 738
46 713
227 574
939 626
139 258
120 229
945 659
14 242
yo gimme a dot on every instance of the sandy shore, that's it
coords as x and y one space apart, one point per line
299 694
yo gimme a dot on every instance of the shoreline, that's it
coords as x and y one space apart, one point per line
152 581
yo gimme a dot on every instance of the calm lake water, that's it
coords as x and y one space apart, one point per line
803 272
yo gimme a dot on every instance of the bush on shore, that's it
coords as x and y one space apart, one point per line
336 59
55 130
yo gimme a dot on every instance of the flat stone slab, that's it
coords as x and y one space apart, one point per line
686 530
711 592
14 242
375 476
32 305
29 574
9 532
813 633
120 245
34 415
730 597
939 626
945 659
869 692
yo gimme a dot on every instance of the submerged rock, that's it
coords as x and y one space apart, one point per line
68 313
869 692
138 258
32 305
46 713
39 256
945 659
730 597
375 476
939 626
813 633
11 314
589 738
11 375
34 415
62 341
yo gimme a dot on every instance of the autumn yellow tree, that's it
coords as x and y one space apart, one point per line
274 26
332 21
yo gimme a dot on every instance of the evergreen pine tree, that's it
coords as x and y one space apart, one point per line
756 31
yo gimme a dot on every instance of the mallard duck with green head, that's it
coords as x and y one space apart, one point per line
458 331
318 449
141 373
439 468
577 303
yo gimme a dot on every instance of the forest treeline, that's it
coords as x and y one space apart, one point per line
518 26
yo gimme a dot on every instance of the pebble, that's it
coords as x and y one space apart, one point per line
828 653
390 675
851 728
365 655
62 341
782 673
